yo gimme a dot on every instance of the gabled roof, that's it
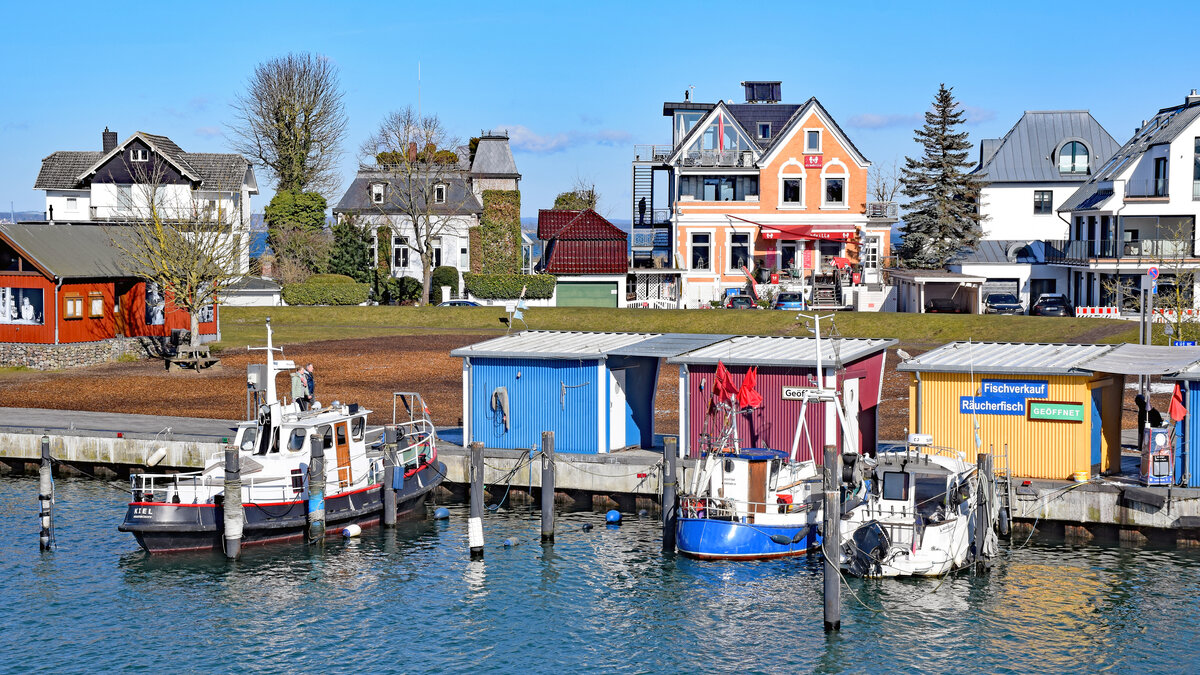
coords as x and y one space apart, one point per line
71 170
460 200
1029 151
494 158
585 225
699 128
60 170
1166 125
70 251
749 115
793 123
160 145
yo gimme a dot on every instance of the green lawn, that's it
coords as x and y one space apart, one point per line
242 326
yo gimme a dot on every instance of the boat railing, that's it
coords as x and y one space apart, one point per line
171 488
414 439
729 509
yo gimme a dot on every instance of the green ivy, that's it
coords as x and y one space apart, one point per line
496 243
326 293
508 286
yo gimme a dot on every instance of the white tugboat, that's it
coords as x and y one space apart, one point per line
183 512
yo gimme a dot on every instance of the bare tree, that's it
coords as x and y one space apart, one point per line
884 181
291 119
424 189
189 246
1174 303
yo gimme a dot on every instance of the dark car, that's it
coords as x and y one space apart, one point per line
941 306
740 302
1002 303
459 303
1052 304
788 300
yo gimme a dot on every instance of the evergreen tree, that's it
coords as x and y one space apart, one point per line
942 218
351 254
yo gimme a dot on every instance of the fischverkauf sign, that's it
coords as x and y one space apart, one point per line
1003 397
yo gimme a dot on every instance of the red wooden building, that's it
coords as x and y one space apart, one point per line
63 284
581 242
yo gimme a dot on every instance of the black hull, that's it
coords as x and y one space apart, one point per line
167 528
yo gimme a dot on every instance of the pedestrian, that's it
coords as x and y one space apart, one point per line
642 211
311 383
300 388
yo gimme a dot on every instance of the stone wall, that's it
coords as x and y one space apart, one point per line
75 354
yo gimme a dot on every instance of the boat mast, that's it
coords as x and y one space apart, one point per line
274 367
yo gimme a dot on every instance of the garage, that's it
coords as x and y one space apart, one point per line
587 293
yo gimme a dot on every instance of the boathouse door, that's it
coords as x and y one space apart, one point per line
342 443
616 410
1097 429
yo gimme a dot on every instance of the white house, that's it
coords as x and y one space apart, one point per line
1011 266
1029 173
1138 210
114 184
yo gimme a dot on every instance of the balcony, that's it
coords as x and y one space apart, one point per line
883 211
651 218
1148 188
643 238
652 153
1137 250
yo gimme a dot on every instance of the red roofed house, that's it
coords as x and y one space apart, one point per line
589 255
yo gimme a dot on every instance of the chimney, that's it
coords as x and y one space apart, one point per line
412 151
108 140
1192 98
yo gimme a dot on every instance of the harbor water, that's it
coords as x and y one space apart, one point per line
604 599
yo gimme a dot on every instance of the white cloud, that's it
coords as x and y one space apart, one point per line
209 132
977 115
524 139
877 121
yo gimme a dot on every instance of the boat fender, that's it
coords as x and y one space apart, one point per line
351 531
613 516
642 513
1004 522
781 539
587 527
441 513
156 457
510 542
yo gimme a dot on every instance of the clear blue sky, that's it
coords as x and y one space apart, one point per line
578 84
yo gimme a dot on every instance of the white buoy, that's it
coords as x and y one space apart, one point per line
351 531
156 457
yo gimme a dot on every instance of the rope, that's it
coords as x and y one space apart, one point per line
93 476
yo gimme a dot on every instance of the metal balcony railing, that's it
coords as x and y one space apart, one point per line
1147 187
1085 250
1196 190
651 217
883 210
651 153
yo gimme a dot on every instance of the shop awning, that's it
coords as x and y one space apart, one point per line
793 232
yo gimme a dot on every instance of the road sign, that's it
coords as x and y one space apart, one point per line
1153 272
1183 343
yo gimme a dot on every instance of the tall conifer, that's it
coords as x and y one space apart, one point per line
942 217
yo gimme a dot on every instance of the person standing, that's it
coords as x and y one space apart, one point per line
311 383
300 388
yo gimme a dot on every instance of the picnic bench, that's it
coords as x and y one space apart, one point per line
196 358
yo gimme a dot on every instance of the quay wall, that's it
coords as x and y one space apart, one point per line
73 354
117 453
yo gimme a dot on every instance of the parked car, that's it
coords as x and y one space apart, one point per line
942 306
788 300
459 303
1052 304
1002 303
740 302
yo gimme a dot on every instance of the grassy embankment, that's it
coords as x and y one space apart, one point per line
242 326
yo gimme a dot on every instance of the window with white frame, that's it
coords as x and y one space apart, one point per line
464 257
436 242
701 251
72 204
139 154
1073 158
400 252
791 191
739 250
124 198
377 193
374 250
835 191
764 130
812 140
439 194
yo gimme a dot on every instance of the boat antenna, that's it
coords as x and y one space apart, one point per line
272 367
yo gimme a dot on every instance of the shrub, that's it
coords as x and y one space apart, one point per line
399 290
329 279
442 276
337 293
496 243
508 286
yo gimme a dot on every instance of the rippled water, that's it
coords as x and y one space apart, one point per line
607 600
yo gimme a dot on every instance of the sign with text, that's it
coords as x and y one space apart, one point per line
1184 343
796 393
1056 411
813 161
1003 397
980 405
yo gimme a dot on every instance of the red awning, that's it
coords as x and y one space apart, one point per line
826 232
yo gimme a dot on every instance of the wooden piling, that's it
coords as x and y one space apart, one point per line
475 521
981 510
46 498
316 491
388 488
548 486
234 515
831 544
670 459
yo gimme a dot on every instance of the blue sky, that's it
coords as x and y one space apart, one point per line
578 84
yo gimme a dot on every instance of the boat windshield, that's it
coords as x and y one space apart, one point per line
895 485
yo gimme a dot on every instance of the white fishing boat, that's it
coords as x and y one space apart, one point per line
915 512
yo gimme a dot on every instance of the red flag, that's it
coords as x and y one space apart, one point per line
723 387
747 396
1177 410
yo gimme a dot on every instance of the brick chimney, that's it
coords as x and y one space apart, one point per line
108 140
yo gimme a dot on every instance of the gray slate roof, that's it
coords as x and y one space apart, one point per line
1003 252
786 352
71 251
60 171
460 200
1163 128
1029 151
1013 358
216 170
494 158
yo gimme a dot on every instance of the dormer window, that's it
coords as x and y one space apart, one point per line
1073 158
764 130
376 193
439 194
139 154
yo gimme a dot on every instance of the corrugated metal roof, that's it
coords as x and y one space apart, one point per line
1130 359
1029 151
670 345
787 352
540 344
1017 358
71 251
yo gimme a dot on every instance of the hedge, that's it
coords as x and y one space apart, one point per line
508 286
329 279
442 276
326 293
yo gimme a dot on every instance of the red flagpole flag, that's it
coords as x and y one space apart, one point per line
1177 410
723 387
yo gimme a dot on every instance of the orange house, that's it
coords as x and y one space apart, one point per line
761 187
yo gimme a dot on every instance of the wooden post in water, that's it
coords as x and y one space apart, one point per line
548 486
46 497
316 491
388 488
982 500
669 483
831 544
234 514
475 521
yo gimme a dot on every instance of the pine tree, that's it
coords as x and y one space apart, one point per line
942 218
